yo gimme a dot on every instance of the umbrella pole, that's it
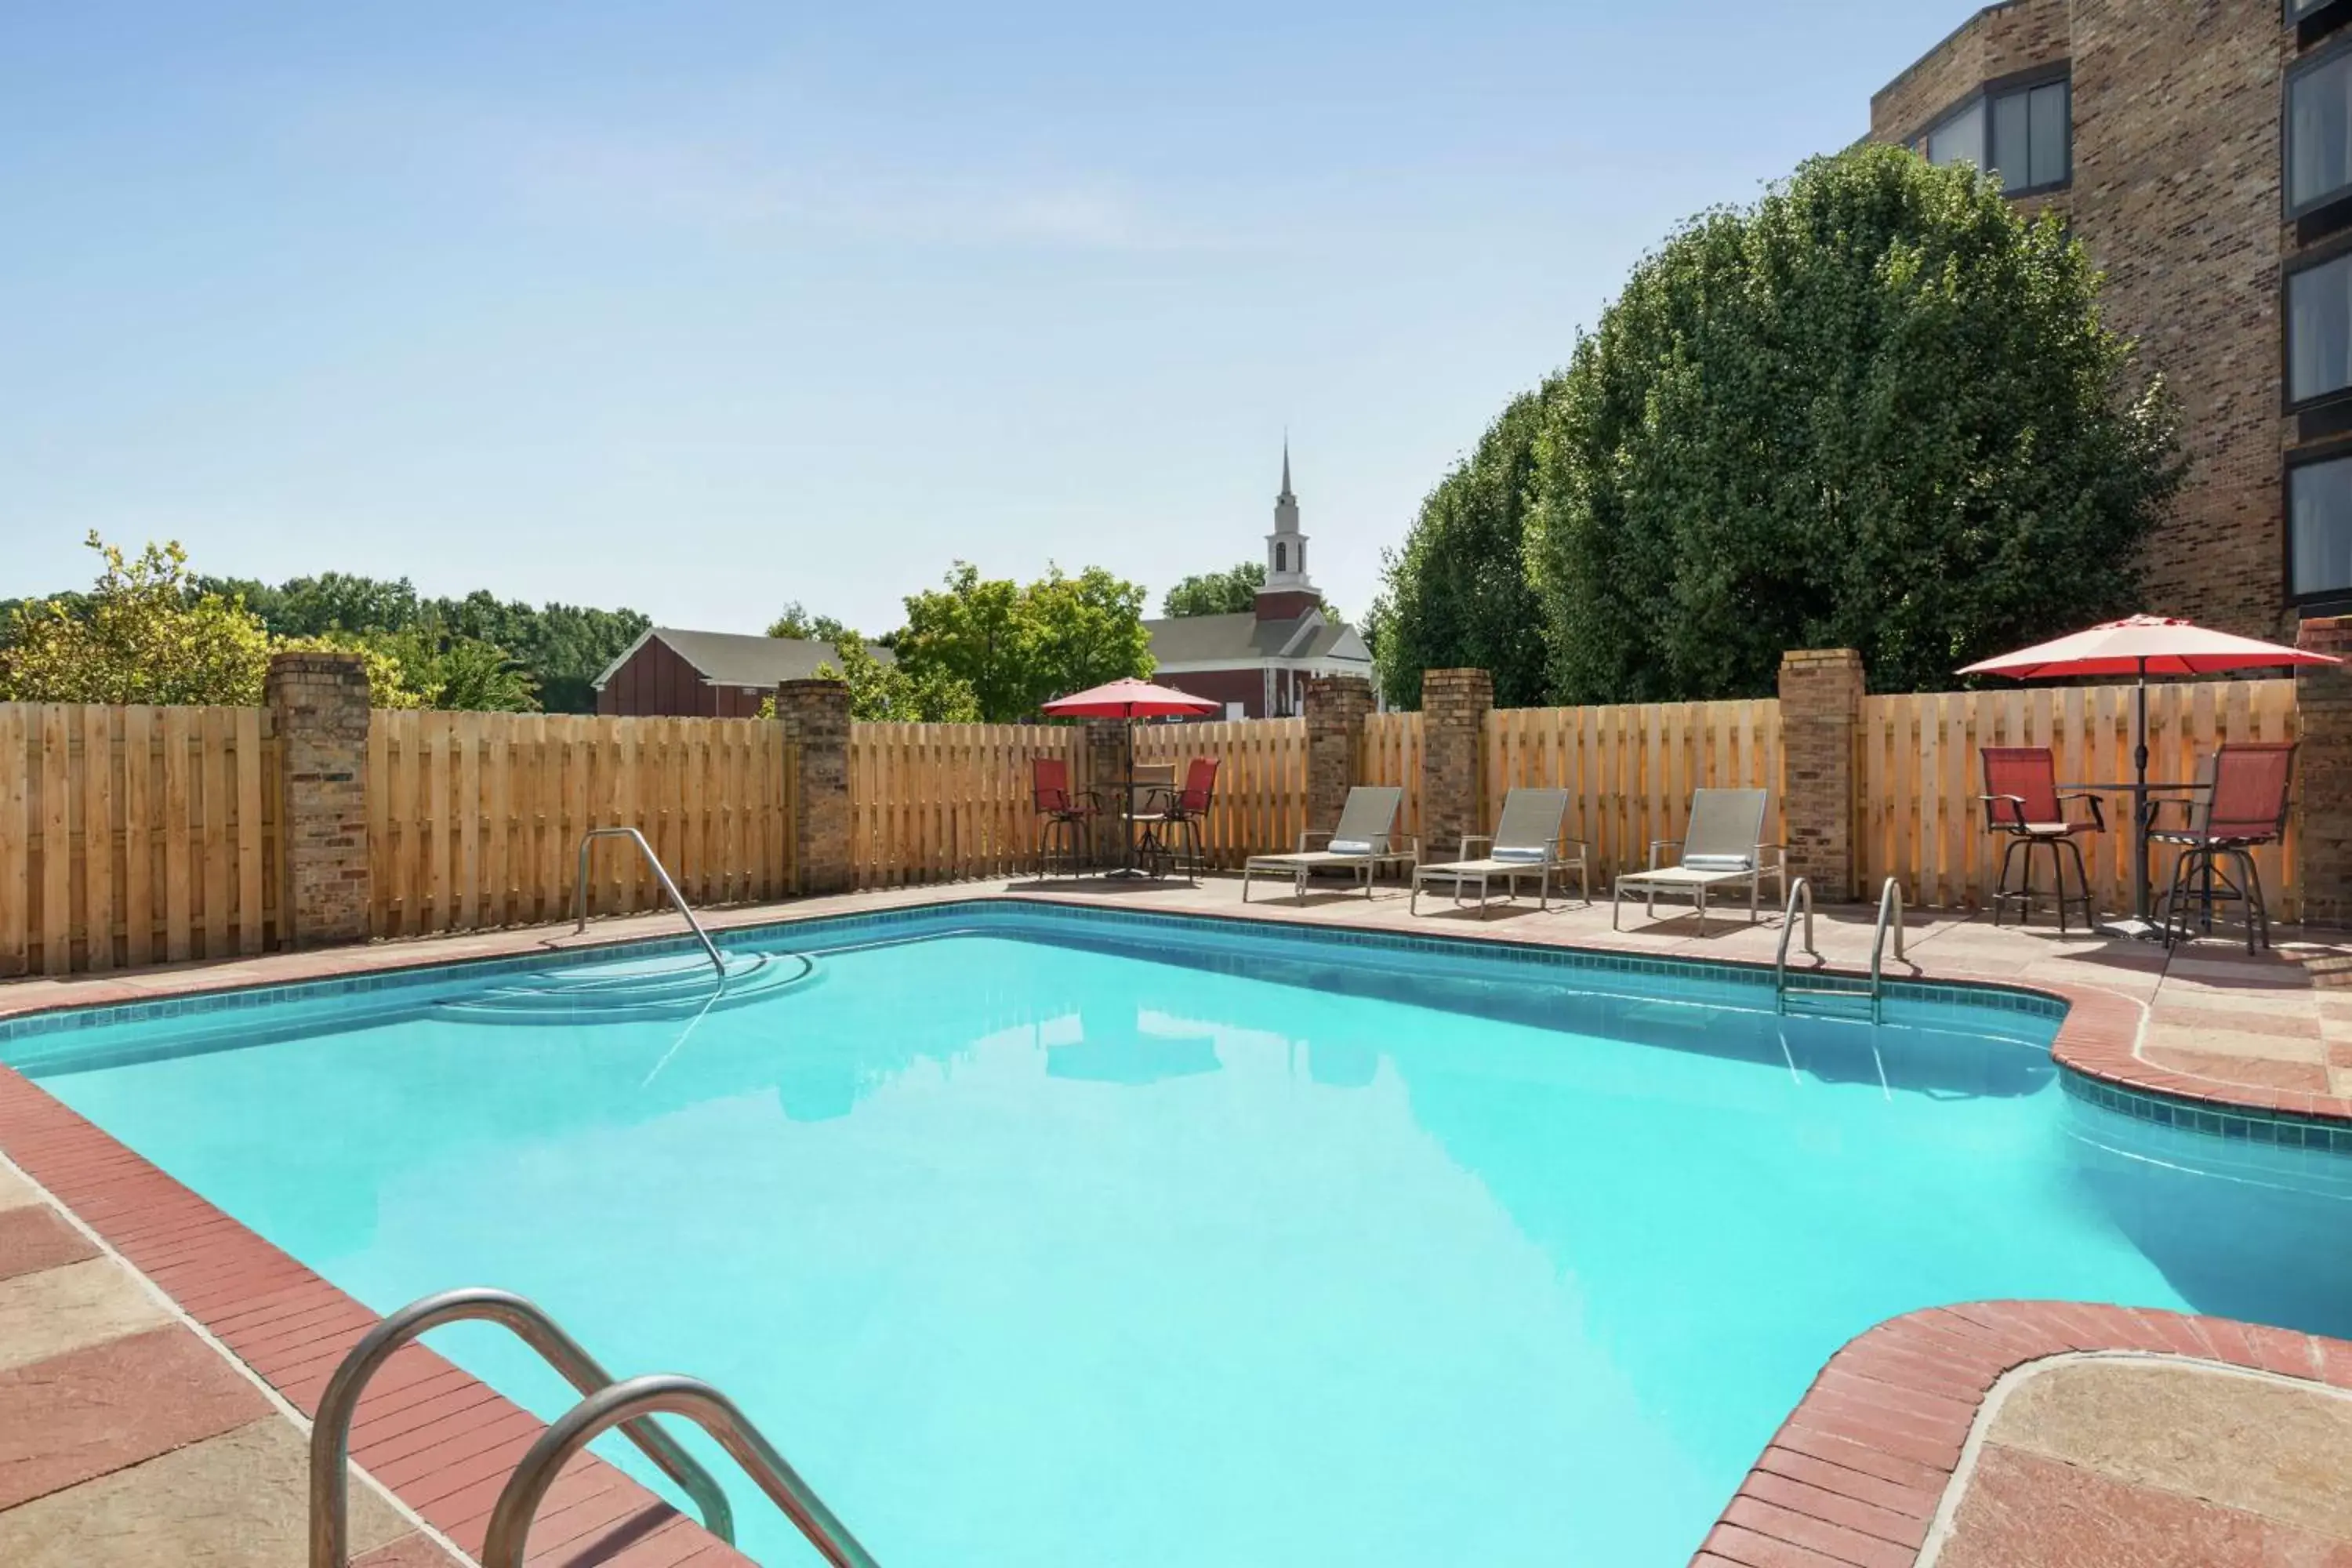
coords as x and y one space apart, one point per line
2139 797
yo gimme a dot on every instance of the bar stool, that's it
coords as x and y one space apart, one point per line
2022 801
2245 809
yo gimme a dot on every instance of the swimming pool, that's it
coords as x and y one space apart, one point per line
1053 1236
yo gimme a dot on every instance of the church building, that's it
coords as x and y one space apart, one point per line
1256 663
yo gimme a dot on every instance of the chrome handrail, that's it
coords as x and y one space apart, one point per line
579 889
670 1394
1800 894
1890 918
330 1434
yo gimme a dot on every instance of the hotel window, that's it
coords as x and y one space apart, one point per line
2025 134
2318 131
2319 330
2319 530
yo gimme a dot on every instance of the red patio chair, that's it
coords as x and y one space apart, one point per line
2245 808
1067 813
2021 800
1186 810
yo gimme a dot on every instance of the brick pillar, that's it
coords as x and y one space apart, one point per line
1102 767
318 708
815 717
1454 707
2323 698
1821 725
1336 707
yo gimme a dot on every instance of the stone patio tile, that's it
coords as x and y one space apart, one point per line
2186 1014
2022 1510
2258 1444
413 1551
37 1236
237 1500
16 1192
2265 1072
61 1310
2162 1036
96 1409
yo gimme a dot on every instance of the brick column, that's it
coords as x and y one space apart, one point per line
815 717
318 704
1102 767
1336 707
2323 698
1454 707
1821 724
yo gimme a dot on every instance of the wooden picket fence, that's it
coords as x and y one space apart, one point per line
1261 799
134 835
1392 755
944 803
1921 776
1631 768
475 819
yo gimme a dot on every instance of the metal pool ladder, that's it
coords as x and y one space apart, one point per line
1890 923
1800 897
606 1403
579 889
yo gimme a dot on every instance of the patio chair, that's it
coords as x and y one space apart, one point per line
1526 843
2021 800
1169 813
2245 809
1723 847
1365 839
1069 814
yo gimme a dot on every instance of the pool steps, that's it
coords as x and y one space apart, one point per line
633 990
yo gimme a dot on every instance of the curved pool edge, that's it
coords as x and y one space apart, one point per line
1873 1458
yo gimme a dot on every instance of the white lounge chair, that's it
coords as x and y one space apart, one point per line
1365 840
1526 843
1723 847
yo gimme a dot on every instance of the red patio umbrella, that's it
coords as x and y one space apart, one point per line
1129 699
2139 646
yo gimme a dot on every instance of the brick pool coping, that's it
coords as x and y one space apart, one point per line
1861 1468
1858 1467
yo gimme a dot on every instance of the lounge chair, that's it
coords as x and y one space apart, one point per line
1526 843
1723 847
1365 840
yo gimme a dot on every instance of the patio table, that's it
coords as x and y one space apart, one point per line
2139 790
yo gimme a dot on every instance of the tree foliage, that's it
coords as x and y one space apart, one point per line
798 624
1457 594
888 691
1877 410
1015 647
1228 592
144 634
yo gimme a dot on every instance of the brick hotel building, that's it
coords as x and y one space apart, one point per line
2203 149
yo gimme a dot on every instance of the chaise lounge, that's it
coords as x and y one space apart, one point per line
1722 848
1365 839
1526 843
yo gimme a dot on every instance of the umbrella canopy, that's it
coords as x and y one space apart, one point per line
1129 700
2142 645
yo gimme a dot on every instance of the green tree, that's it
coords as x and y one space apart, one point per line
1457 594
1014 647
887 691
1878 410
391 682
798 624
144 634
469 674
1228 592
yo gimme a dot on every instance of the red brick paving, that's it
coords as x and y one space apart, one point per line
91 1411
36 1237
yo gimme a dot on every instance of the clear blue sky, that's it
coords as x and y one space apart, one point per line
701 307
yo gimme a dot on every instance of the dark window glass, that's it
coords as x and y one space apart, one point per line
2009 154
2319 132
2319 330
1281 554
2031 137
2319 528
2053 134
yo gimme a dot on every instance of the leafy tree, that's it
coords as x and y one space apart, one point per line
1876 410
1457 596
887 691
1014 647
797 623
330 601
470 673
144 634
392 683
1228 592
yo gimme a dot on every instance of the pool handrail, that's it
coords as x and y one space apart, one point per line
579 889
1890 918
667 1393
331 1432
1800 895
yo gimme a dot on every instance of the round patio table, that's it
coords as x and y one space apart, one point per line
2139 926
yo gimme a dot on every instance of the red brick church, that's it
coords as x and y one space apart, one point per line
1256 663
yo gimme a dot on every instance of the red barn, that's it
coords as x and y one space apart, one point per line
708 674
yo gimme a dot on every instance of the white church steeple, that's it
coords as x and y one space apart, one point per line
1286 547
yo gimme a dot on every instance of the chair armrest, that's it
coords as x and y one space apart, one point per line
1991 803
1470 839
2155 805
1779 856
1304 833
2098 812
1658 844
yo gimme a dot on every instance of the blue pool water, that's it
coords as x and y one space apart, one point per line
1060 1238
